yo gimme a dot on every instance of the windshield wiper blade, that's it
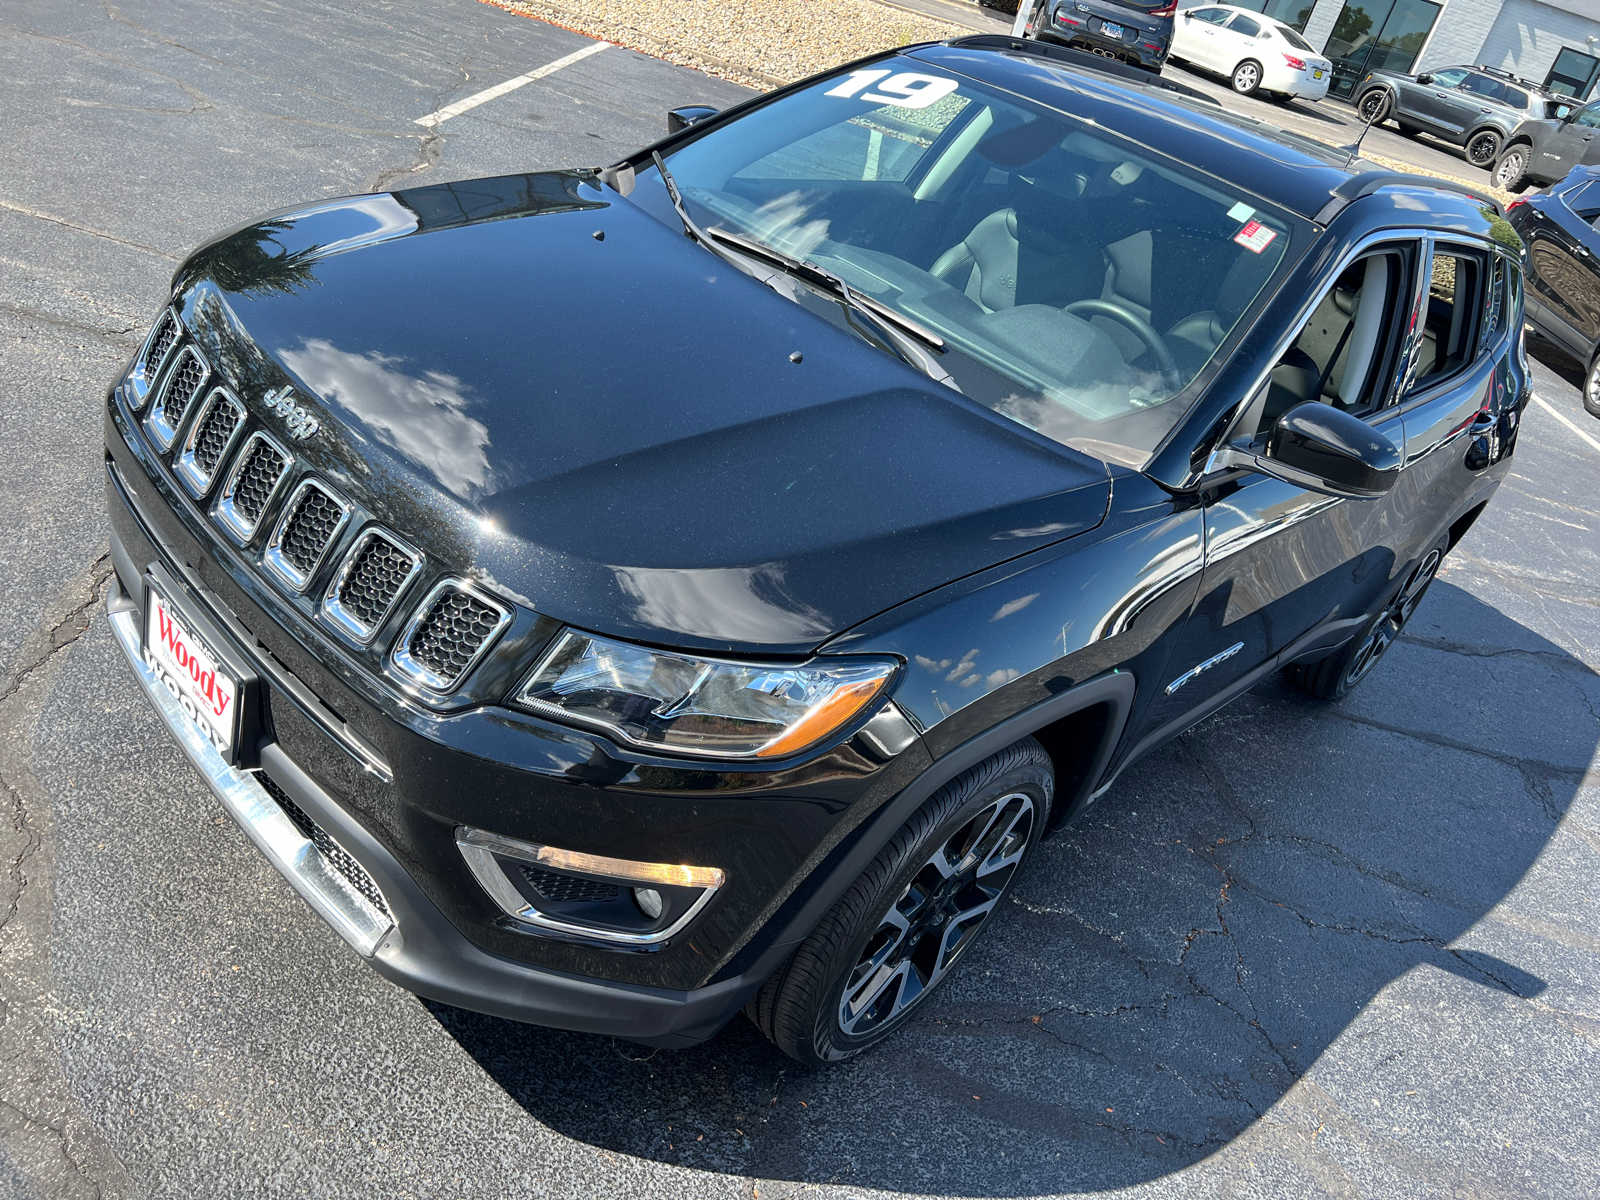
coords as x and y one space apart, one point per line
890 326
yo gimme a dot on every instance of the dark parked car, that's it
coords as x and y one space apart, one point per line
1136 32
1541 152
1563 296
615 599
1475 108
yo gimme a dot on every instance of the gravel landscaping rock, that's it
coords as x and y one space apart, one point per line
762 43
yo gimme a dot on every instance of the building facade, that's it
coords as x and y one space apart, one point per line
1555 43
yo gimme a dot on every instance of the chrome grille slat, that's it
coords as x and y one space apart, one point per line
184 382
311 523
257 473
164 336
376 571
215 429
449 632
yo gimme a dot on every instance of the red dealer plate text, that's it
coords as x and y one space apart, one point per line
188 669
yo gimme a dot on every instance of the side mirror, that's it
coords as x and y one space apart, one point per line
1425 78
689 114
1326 450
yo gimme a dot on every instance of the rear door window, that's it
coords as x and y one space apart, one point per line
1245 25
1450 308
1482 85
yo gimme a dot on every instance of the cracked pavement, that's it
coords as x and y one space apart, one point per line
1306 950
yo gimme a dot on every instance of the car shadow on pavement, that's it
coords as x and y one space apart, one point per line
1172 963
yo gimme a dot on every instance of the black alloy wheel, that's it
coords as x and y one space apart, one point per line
1510 173
1373 107
1591 386
1336 676
897 932
1483 148
1247 77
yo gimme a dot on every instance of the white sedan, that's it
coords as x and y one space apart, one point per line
1257 53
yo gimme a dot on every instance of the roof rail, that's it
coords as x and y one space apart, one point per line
1082 59
1366 184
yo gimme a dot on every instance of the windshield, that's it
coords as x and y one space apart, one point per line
1078 284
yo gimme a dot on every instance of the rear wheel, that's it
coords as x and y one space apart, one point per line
900 928
1511 171
1247 77
1337 675
1373 107
1591 385
1483 148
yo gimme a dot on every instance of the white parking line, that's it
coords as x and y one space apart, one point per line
500 89
1539 400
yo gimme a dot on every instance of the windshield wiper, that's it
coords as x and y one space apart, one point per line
889 326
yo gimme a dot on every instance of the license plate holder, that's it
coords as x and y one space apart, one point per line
215 688
1111 29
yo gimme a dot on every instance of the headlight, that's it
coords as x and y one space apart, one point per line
699 706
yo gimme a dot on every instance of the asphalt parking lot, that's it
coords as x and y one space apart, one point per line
1303 951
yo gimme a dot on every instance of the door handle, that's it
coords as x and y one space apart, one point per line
1484 110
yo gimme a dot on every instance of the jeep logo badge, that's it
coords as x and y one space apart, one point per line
300 422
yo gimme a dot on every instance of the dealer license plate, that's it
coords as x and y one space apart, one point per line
1110 30
1316 74
193 673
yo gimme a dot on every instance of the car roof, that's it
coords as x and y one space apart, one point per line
1296 173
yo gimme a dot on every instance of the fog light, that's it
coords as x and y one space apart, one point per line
649 902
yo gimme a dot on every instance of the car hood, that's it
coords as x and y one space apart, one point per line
620 432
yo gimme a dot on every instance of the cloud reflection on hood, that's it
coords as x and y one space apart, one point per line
734 604
423 417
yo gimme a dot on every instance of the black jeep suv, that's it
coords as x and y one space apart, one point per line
615 599
1475 108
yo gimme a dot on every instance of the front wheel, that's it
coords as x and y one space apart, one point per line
1334 677
1483 148
1373 107
1247 77
921 903
1591 386
1511 172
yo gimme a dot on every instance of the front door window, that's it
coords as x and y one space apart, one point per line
1370 34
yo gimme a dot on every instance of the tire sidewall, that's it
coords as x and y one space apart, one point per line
1517 154
829 1044
1233 79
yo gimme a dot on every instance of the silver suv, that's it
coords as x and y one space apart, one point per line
1475 108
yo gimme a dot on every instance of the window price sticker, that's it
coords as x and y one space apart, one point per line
1255 236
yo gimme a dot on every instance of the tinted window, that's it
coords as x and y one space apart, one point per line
1495 320
1294 39
1212 16
1584 201
1245 25
1449 335
986 219
1589 118
1449 77
1516 97
1482 85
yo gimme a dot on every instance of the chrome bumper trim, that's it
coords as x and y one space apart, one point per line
248 803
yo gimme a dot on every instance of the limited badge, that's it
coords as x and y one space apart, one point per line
1255 236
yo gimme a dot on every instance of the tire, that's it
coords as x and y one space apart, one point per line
1483 148
1334 677
1511 169
1374 106
889 937
1591 386
1246 78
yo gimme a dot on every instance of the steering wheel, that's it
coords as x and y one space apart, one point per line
1141 329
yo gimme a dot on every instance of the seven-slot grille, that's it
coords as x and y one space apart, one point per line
311 521
375 572
569 889
257 473
155 352
187 377
214 429
448 633
336 855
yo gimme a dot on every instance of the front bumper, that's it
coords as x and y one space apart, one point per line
412 944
